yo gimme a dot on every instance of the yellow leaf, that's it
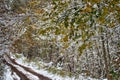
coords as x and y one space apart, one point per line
82 48
65 39
33 27
53 39
38 11
66 45
32 4
101 19
112 25
88 9
105 11
21 10
27 20
96 1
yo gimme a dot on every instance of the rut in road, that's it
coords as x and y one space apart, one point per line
11 62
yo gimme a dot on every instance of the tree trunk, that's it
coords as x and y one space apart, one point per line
99 60
104 56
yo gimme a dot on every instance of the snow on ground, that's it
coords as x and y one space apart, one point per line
15 76
7 74
12 75
48 74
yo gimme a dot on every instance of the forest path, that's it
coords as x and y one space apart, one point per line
24 72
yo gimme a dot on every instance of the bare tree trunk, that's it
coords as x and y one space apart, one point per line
99 60
104 56
108 54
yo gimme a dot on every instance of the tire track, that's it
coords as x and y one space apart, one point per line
11 62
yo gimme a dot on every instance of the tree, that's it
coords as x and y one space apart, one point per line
81 29
85 20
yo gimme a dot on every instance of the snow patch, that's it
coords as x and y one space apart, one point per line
45 72
7 74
